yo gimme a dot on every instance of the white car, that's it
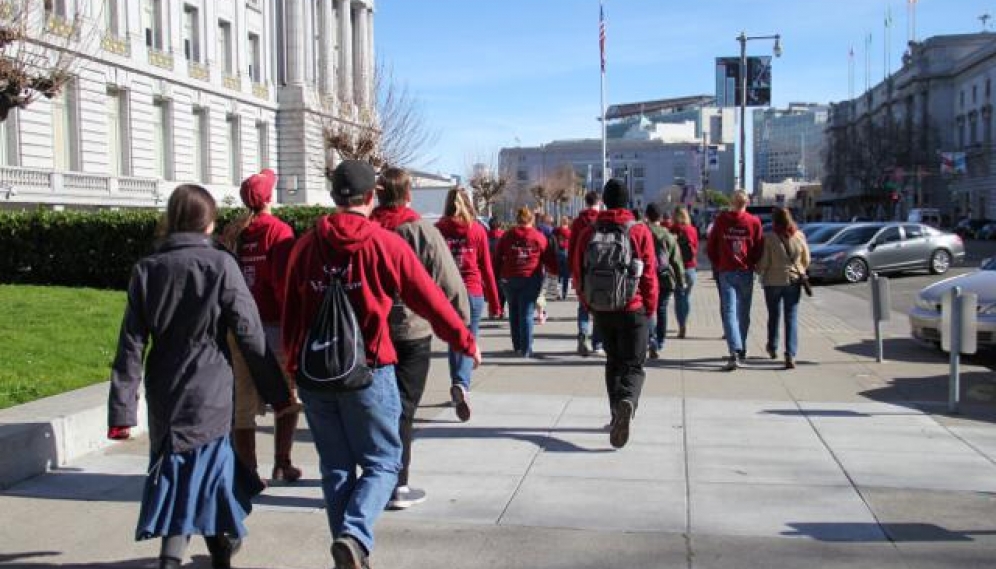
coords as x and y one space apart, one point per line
925 317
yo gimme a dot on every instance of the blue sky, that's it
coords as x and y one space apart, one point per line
501 73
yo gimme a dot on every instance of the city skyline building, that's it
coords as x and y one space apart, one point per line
790 143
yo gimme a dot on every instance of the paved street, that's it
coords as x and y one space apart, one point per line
840 463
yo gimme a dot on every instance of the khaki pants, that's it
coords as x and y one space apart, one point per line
248 403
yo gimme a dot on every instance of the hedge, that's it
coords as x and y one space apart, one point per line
95 248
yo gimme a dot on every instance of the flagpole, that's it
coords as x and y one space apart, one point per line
850 73
601 43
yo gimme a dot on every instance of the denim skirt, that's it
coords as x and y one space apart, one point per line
193 493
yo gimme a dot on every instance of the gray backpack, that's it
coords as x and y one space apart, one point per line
609 282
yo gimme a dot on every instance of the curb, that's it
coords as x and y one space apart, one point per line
52 432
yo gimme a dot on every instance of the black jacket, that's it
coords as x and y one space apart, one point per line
185 297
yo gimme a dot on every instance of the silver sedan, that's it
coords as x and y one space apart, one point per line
925 317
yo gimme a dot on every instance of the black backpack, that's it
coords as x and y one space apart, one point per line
608 281
685 246
332 356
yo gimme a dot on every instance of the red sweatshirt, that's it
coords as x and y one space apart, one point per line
563 236
584 219
643 248
735 242
469 245
391 217
521 251
264 247
692 235
378 264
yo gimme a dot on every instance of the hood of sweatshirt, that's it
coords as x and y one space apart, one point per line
618 216
519 232
734 217
260 225
345 231
589 214
391 217
451 226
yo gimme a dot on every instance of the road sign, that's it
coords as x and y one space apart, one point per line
959 314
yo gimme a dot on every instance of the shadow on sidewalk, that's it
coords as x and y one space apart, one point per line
930 394
15 561
904 350
865 532
541 437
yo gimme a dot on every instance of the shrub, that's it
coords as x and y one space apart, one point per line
95 248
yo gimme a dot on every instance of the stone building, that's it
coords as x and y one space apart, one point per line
789 143
203 91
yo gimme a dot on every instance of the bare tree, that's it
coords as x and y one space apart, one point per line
489 183
35 59
540 194
563 185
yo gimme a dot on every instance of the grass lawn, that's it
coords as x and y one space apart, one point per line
55 339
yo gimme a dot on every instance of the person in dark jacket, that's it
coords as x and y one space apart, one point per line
410 333
183 300
593 205
262 243
358 430
625 332
670 276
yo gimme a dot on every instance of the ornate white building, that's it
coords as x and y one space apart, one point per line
206 91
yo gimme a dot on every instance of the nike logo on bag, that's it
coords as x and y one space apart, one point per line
317 346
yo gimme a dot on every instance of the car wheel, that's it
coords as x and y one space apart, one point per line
855 270
940 262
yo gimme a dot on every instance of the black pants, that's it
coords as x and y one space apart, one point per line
412 370
624 339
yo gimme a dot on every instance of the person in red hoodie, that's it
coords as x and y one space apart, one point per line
562 235
688 242
593 205
625 332
359 429
522 252
735 244
262 243
468 241
495 233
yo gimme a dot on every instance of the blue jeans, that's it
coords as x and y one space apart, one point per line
658 332
521 293
357 428
462 366
735 290
683 297
775 297
586 327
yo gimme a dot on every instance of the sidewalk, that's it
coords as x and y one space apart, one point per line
842 462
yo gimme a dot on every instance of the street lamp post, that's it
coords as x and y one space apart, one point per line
743 38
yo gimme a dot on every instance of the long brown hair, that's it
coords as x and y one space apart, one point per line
782 222
190 209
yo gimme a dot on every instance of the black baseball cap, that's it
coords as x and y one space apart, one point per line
352 178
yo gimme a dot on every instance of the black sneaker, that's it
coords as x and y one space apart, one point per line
653 353
405 497
583 346
349 554
742 356
732 363
461 401
619 434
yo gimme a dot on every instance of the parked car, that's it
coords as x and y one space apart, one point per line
818 233
925 317
988 231
927 216
861 248
969 228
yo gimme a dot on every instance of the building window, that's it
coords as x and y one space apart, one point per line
118 142
65 134
9 147
232 147
989 88
225 46
975 94
961 135
112 17
961 99
153 23
639 172
202 160
973 130
191 34
162 138
522 176
638 186
262 145
619 172
255 59
57 8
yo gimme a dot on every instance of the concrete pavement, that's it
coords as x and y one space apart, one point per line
840 463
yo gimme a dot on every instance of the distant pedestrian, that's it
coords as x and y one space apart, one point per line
616 272
734 246
586 329
495 232
468 242
670 276
782 268
562 237
262 243
183 299
356 431
410 333
687 237
522 253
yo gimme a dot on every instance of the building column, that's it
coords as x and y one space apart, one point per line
295 38
327 57
345 13
371 59
361 62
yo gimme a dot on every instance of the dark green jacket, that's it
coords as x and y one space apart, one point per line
665 241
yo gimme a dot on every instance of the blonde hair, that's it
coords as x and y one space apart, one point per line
739 199
459 206
524 216
681 216
565 221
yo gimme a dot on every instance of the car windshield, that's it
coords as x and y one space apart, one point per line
989 265
856 235
822 234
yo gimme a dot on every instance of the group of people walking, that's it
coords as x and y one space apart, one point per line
219 328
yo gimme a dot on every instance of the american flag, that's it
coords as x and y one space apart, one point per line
601 34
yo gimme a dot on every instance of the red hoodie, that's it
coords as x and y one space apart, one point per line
263 250
643 249
521 251
584 219
469 245
378 264
392 217
563 236
692 235
735 242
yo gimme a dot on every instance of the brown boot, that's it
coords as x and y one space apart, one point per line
283 439
681 332
244 444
